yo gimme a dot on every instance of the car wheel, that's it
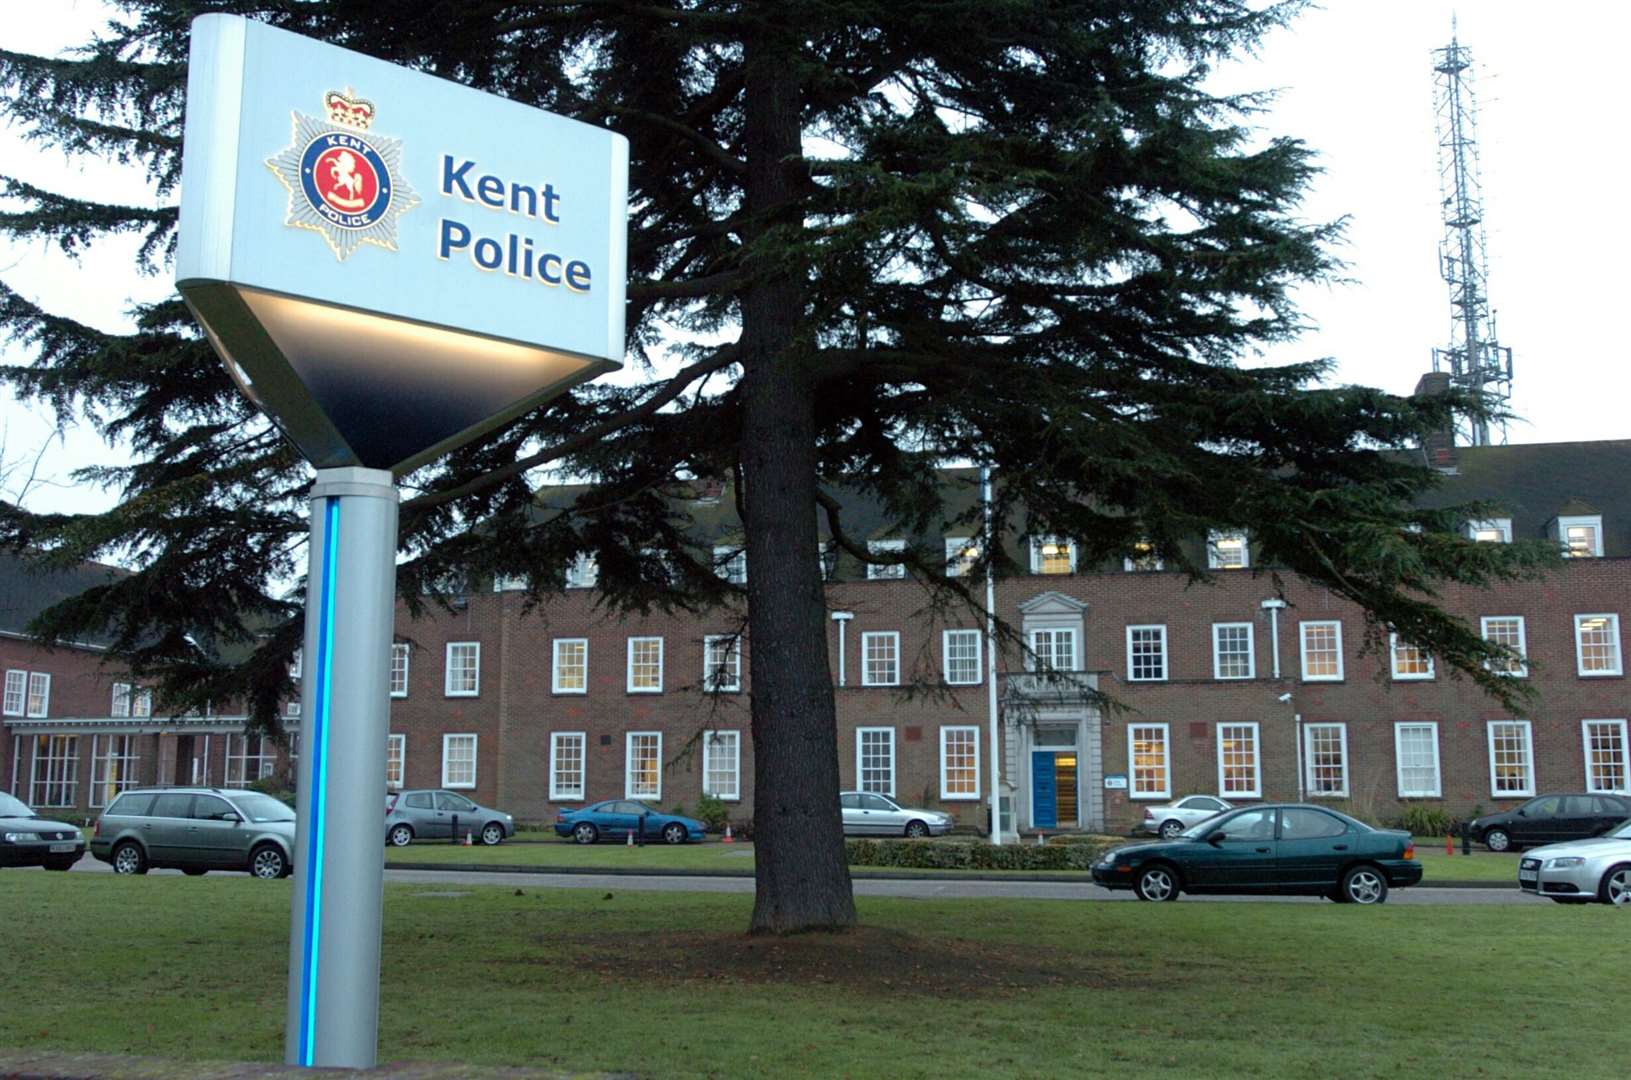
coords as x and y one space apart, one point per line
193 871
1157 883
1616 886
1364 885
492 833
585 833
916 830
1170 829
1497 840
673 833
128 858
267 862
400 835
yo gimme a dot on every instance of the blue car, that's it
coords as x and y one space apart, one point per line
617 819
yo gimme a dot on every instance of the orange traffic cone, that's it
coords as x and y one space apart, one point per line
1449 844
628 841
729 839
467 840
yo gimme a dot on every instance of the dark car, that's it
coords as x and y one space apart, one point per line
1549 819
616 819
1287 849
26 839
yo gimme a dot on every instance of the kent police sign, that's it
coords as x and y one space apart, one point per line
390 263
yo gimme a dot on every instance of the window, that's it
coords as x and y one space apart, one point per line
1227 551
1581 537
113 766
569 666
463 668
1415 746
1493 531
1232 654
396 760
731 563
1409 662
458 761
55 772
1511 759
399 669
1054 650
583 573
1322 651
827 553
39 694
566 752
292 709
1297 823
961 656
882 548
1147 761
1325 750
1596 644
722 663
1051 555
875 760
1506 630
297 663
1607 766
643 777
645 674
722 764
961 551
1142 559
1238 773
880 658
16 686
959 763
509 582
249 758
1146 653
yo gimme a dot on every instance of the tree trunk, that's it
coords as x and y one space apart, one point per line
802 873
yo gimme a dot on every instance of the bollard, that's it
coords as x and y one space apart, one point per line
1466 840
453 833
1449 843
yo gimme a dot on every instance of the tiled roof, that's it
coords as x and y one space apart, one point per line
26 590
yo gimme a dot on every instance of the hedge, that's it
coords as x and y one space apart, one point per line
1079 854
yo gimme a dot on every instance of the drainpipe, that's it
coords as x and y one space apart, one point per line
1273 608
991 661
841 617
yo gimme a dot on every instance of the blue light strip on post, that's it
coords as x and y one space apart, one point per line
319 772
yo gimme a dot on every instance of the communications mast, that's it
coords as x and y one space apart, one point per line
1474 358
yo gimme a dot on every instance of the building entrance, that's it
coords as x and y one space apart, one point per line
1053 790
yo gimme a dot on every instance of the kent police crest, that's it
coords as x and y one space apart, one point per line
342 182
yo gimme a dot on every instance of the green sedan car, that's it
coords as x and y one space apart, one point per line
1286 849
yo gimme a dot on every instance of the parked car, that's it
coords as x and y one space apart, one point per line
1548 819
1170 820
1581 871
440 815
866 813
26 839
617 819
1286 848
196 830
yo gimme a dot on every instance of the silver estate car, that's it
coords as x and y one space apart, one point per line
1170 820
867 813
1580 871
436 814
196 830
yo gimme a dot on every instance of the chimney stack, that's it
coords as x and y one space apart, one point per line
1438 447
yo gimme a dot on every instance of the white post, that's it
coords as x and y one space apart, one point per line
841 618
1297 724
1273 608
991 661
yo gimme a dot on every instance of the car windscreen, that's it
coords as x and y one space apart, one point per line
1622 831
14 807
258 807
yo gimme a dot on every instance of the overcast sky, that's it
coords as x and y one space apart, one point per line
1355 82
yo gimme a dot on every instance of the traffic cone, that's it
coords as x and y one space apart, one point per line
729 839
628 841
1041 839
467 840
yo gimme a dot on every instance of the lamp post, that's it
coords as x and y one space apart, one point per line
842 618
995 748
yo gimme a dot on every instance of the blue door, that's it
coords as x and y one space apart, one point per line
1044 791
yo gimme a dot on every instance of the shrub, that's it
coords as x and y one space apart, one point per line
279 787
712 812
1077 854
1426 821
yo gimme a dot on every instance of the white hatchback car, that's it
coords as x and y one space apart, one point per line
1170 820
1580 871
869 814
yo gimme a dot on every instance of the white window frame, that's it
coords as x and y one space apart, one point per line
1624 764
972 733
892 572
1039 542
962 635
1528 788
103 759
1256 790
396 745
119 707
867 637
1309 775
1302 649
1162 677
556 686
1042 662
448 688
1579 645
251 766
61 773
1148 563
860 772
559 741
628 682
42 681
722 671
731 563
510 583
1134 737
475 760
400 650
1217 652
1393 646
582 573
297 664
724 745
1214 560
961 551
1522 670
1501 527
1594 522
16 693
1436 791
646 739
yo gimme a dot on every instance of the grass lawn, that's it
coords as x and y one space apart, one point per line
1496 868
667 984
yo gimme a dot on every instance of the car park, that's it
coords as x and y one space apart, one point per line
1294 849
1173 818
866 813
196 830
1549 819
26 839
435 814
620 819
1580 871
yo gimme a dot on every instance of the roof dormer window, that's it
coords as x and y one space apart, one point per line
1581 537
1493 531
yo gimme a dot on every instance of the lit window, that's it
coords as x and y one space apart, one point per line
1052 555
1511 761
396 761
1409 662
1232 653
583 573
113 766
1322 651
249 758
1325 750
644 776
399 669
141 702
1227 551
880 658
875 760
1597 644
1506 630
1147 761
722 764
55 771
959 763
1146 653
566 752
1607 765
722 663
458 761
1493 531
1581 537
645 675
1416 748
881 549
1143 558
463 669
731 563
1238 773
1054 651
961 650
39 694
961 551
569 666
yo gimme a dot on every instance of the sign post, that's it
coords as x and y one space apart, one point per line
390 265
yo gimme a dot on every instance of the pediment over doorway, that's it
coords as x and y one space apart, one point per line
1053 603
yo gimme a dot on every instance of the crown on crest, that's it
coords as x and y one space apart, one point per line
348 111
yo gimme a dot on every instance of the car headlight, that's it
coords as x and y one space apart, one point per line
15 837
1564 863
1108 858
